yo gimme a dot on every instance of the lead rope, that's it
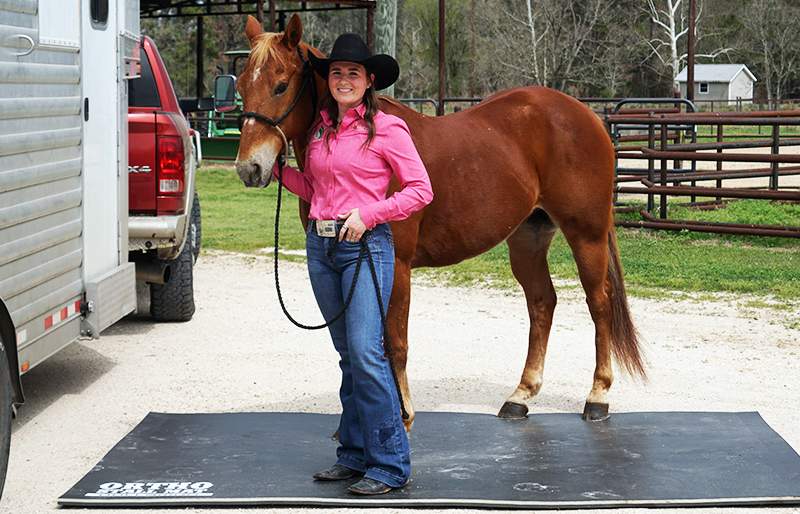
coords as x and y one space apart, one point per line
364 249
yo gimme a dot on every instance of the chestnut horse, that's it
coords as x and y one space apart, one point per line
517 167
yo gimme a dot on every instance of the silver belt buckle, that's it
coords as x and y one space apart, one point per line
326 228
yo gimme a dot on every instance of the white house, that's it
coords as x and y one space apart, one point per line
731 82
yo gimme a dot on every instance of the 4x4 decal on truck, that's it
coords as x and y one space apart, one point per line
139 169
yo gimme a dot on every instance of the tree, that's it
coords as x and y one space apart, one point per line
416 76
671 18
582 47
420 23
386 31
175 40
554 43
772 26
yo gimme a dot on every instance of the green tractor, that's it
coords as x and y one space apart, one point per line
220 136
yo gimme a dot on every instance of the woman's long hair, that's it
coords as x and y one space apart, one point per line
327 102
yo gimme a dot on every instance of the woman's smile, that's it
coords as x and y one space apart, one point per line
348 81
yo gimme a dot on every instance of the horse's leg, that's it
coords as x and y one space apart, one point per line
527 248
397 321
590 250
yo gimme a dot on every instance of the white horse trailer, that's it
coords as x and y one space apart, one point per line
64 271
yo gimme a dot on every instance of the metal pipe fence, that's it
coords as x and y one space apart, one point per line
663 147
661 152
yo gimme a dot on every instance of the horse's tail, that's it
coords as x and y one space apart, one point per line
626 342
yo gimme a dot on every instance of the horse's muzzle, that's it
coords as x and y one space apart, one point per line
253 174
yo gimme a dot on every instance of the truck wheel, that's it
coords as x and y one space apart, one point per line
195 227
174 301
5 414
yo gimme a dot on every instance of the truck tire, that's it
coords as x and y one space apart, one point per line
5 414
174 301
195 227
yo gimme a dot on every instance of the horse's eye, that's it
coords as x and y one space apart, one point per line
281 88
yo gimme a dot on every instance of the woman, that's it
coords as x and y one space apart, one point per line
353 151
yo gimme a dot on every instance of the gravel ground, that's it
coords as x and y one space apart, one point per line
239 354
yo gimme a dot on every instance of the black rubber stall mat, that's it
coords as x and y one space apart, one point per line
458 460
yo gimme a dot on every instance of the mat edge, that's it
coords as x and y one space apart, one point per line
450 502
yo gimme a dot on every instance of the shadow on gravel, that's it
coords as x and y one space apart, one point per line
68 372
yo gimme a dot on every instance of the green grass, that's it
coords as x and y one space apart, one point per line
699 262
708 133
240 219
659 264
656 264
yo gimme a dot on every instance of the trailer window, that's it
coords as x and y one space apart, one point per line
99 10
143 91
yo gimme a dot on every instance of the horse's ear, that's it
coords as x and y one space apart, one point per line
253 30
293 32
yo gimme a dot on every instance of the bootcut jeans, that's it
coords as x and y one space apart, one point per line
371 430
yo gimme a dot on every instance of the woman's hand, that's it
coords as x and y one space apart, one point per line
354 226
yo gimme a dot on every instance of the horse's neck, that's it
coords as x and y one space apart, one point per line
417 122
300 145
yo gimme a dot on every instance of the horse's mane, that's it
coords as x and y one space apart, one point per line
264 49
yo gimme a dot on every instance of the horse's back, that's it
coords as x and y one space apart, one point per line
564 142
497 161
564 117
520 115
523 130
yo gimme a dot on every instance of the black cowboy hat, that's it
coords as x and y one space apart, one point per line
351 48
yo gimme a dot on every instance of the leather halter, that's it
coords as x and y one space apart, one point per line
308 74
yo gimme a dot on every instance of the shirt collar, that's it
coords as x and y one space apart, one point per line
352 115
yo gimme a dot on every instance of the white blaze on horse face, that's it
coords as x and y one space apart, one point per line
255 166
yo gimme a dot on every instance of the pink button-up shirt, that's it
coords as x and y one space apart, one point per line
345 176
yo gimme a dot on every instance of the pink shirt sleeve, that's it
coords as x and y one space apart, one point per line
400 153
295 181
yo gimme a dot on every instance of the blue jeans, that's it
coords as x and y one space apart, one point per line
371 430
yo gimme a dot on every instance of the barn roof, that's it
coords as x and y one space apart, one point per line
177 8
716 73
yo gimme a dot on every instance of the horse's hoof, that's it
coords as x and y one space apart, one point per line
511 410
595 411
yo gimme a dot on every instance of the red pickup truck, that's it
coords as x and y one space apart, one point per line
164 226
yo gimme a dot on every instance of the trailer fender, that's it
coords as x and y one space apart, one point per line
8 341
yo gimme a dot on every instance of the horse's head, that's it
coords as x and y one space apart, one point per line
269 85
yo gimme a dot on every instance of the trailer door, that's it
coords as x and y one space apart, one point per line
101 119
105 27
